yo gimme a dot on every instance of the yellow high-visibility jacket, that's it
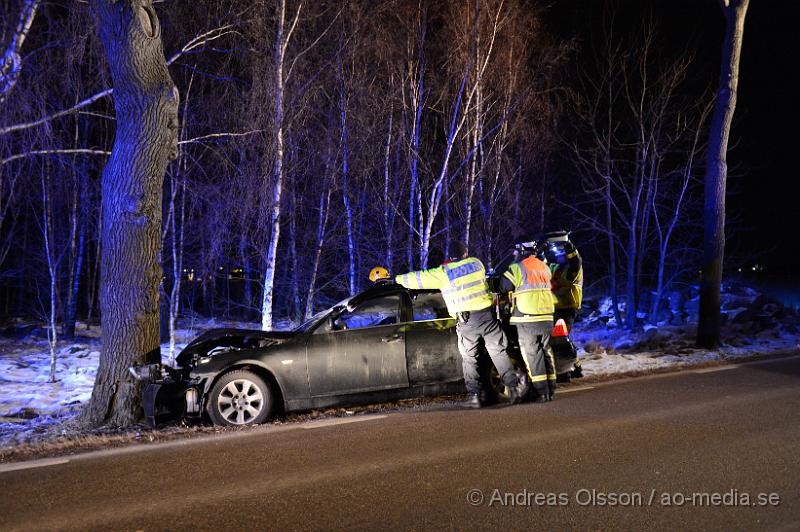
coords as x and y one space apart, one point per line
567 282
531 300
463 284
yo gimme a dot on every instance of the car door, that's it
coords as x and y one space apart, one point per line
360 350
431 342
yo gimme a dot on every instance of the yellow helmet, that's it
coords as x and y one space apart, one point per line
377 273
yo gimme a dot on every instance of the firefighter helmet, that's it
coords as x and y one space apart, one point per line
377 273
557 236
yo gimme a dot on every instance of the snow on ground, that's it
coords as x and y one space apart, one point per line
25 372
668 346
25 390
754 326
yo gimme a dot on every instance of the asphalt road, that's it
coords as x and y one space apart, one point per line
607 457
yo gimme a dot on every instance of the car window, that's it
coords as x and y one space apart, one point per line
430 306
372 313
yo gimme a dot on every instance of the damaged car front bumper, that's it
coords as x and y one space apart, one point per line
167 396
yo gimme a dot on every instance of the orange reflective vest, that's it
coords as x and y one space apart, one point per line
532 299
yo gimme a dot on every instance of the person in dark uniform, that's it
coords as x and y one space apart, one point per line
528 282
567 281
462 281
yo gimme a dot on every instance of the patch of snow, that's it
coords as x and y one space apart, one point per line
25 372
754 325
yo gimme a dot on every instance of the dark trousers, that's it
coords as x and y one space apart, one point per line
568 315
483 326
533 342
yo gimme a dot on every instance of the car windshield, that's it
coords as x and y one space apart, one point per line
306 325
382 310
311 321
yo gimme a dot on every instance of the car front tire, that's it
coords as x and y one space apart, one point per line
240 398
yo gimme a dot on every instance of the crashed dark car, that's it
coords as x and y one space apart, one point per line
384 344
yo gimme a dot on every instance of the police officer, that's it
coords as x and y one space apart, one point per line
528 282
567 281
462 281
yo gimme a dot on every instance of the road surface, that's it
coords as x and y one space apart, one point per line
719 445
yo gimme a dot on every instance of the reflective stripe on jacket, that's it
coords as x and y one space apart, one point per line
567 283
463 284
532 299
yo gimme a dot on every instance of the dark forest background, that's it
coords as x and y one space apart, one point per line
404 125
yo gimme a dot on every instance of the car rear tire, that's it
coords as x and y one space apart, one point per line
497 385
240 398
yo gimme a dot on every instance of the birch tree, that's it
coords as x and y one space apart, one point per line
52 258
637 162
469 86
346 199
414 96
283 37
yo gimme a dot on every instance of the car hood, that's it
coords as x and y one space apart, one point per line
218 341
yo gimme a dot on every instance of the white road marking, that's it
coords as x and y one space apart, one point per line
745 364
768 360
578 389
714 369
32 464
340 421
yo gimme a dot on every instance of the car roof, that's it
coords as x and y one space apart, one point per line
376 290
382 289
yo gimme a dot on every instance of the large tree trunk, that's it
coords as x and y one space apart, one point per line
146 102
708 329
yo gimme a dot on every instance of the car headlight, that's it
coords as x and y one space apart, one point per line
192 401
146 373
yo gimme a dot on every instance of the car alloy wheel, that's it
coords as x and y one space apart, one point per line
240 398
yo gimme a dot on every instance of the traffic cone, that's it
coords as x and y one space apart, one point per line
560 329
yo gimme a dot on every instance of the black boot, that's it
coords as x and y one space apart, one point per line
488 398
577 372
473 401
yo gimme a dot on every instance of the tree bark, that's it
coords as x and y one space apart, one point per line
348 207
11 61
281 43
708 328
146 103
75 276
48 235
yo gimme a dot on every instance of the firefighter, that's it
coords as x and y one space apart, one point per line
528 282
379 274
567 281
462 281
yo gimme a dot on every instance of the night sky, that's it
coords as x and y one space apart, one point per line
761 204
